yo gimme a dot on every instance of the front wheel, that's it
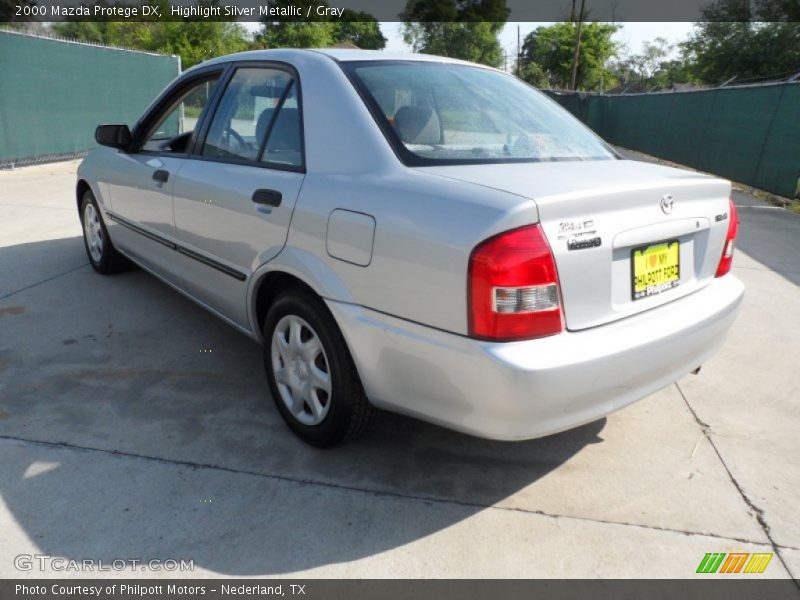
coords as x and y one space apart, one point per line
101 252
310 372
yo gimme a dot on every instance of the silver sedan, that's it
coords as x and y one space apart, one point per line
415 234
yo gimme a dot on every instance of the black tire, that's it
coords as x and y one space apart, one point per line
349 412
110 261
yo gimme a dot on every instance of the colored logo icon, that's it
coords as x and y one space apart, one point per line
734 562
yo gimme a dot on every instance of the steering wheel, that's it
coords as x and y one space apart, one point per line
229 132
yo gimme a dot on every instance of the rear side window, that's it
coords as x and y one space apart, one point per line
257 119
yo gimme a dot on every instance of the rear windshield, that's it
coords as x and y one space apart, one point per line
443 113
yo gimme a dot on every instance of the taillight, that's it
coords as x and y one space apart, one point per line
730 238
513 287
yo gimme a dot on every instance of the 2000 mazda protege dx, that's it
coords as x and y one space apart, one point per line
417 234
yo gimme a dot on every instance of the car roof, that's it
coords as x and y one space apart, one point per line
349 54
337 54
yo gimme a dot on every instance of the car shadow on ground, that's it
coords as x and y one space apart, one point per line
149 447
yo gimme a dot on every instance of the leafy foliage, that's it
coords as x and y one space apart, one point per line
465 29
547 54
358 28
652 68
194 39
749 41
361 29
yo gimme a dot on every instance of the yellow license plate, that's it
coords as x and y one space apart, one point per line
655 269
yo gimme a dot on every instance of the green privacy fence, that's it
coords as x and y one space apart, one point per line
750 134
53 94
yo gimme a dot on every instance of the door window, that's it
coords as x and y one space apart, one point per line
173 129
257 119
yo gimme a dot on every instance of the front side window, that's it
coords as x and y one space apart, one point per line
174 128
257 119
457 113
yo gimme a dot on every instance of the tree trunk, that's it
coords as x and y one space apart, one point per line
573 78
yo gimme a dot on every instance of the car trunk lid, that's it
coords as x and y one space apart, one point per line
597 214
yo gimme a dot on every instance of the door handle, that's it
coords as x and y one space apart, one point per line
268 197
161 176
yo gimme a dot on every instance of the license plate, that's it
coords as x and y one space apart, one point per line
655 269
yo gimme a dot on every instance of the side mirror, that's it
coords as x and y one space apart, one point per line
115 136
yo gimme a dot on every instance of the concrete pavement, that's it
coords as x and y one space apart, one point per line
120 438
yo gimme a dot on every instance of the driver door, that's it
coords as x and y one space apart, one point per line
140 192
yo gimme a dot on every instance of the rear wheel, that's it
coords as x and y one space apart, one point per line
101 252
310 372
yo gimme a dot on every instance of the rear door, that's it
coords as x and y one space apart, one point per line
234 195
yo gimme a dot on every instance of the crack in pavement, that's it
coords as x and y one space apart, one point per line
14 205
38 283
383 493
757 511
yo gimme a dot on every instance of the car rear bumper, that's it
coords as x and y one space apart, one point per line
527 389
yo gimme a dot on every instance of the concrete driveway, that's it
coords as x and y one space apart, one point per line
123 437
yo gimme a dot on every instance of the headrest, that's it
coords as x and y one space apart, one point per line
262 123
286 131
417 125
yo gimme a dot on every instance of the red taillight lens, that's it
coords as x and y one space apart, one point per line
513 287
727 250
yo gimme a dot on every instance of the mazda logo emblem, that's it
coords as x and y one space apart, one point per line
666 204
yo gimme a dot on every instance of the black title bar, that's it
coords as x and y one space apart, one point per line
358 10
734 588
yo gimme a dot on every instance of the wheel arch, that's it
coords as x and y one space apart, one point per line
267 289
292 267
80 189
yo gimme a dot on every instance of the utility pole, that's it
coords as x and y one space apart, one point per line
573 78
519 52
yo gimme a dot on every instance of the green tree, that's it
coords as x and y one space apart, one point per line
653 67
465 29
534 74
286 34
96 32
194 39
474 41
547 54
358 28
743 40
644 65
361 29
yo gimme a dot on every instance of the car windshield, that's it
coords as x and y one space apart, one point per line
458 113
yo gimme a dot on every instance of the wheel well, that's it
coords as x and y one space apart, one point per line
82 188
270 286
